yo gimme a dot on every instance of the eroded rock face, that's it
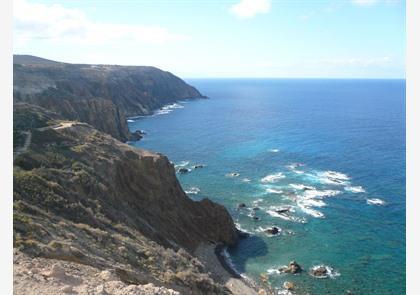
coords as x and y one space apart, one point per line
101 95
85 173
82 196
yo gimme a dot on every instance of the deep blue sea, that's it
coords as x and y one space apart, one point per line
329 153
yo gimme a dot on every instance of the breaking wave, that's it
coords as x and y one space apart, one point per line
375 201
273 177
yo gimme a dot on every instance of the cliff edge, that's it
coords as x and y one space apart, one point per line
82 196
100 95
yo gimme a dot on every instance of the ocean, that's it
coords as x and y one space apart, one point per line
321 160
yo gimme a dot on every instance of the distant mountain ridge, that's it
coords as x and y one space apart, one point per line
100 95
32 60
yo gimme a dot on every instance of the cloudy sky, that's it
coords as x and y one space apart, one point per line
212 38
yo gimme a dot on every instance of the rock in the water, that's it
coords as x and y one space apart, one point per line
319 271
198 166
183 170
233 174
136 135
282 211
272 231
288 285
292 268
264 277
241 205
256 218
256 208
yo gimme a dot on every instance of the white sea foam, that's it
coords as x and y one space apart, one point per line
333 177
193 190
271 271
273 191
182 164
273 177
246 180
273 150
282 216
312 202
375 201
284 207
299 186
294 165
308 210
264 229
238 226
168 108
273 211
229 261
232 174
336 175
355 189
320 193
130 121
299 171
162 112
257 202
331 273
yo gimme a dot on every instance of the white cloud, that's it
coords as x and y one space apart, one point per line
250 8
57 23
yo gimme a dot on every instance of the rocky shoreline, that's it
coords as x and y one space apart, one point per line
220 269
80 192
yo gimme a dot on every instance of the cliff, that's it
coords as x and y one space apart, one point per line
82 196
100 95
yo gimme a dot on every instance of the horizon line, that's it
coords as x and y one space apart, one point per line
302 78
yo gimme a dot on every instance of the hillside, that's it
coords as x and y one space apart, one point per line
86 204
100 95
82 196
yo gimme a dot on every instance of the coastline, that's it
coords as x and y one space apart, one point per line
216 263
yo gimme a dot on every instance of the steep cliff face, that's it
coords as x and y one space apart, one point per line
80 195
81 92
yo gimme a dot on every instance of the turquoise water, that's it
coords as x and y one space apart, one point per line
342 139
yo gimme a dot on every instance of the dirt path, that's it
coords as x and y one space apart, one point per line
28 135
26 144
63 125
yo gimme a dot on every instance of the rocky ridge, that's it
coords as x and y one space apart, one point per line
100 95
82 196
93 215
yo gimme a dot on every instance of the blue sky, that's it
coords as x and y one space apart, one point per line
239 38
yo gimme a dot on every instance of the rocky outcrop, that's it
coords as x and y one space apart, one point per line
101 95
82 196
292 268
33 276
